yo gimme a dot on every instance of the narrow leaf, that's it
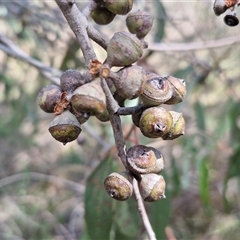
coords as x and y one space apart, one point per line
199 111
160 18
203 169
98 204
127 220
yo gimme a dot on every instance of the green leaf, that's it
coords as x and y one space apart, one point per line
160 214
127 220
203 168
234 114
98 204
176 181
234 162
200 114
159 19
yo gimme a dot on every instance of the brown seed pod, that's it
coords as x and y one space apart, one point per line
130 82
70 80
231 20
102 15
178 126
152 187
121 7
157 90
179 90
65 127
48 97
118 187
103 117
155 122
143 160
123 49
139 23
221 6
89 98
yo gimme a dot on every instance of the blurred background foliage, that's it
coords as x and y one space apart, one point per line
42 182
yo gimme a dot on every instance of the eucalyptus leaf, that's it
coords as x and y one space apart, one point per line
127 220
160 18
98 204
203 168
200 114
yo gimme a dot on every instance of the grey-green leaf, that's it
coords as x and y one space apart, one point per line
98 204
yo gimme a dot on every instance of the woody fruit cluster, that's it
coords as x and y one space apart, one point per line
79 97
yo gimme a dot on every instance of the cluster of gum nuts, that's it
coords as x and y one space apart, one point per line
221 6
80 97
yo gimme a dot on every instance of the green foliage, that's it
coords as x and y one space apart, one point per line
204 191
104 214
202 167
160 21
126 220
98 205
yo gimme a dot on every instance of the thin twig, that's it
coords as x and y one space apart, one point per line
97 37
7 46
115 120
78 23
169 233
121 147
143 212
193 46
131 110
42 177
89 8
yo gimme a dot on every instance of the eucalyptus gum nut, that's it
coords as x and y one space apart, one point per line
178 88
70 80
178 126
155 122
118 187
123 49
143 160
103 117
102 15
231 20
139 23
89 98
157 90
121 7
152 187
219 7
132 81
65 127
48 97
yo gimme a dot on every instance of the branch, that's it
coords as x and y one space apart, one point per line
97 37
121 147
143 212
89 8
193 46
78 23
42 177
115 120
131 110
7 46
